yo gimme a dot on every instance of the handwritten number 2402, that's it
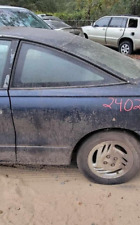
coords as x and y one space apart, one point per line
127 105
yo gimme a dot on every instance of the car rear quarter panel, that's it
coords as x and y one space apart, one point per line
54 121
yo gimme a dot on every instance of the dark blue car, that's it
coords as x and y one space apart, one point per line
64 98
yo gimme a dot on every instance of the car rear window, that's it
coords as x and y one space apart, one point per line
111 60
38 66
20 17
133 23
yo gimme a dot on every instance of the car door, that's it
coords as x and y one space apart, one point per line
98 31
115 30
49 110
7 132
132 31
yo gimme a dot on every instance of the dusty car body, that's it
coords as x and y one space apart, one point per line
59 99
122 32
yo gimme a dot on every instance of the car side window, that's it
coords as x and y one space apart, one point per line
103 22
43 67
4 49
133 23
118 22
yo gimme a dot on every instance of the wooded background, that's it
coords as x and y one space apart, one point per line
79 9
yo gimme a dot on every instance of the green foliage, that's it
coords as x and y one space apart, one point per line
79 9
70 16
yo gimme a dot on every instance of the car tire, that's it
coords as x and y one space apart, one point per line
126 47
109 157
86 36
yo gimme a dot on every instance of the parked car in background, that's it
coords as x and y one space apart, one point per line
64 99
58 24
122 32
48 17
17 16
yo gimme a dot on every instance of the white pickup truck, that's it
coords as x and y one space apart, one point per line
122 32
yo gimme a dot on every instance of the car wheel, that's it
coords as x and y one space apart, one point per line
109 157
125 47
86 36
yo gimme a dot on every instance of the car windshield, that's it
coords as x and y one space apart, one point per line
20 17
104 57
57 24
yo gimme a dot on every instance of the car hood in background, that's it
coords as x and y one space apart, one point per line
73 30
60 25
86 28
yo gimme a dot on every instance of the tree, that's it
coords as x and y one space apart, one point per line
135 7
87 9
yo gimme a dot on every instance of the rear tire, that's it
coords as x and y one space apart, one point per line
109 157
126 47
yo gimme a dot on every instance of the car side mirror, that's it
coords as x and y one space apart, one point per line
95 25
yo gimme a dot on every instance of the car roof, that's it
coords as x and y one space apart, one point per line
10 7
127 16
87 50
49 37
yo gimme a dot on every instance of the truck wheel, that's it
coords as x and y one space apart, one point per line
109 157
126 47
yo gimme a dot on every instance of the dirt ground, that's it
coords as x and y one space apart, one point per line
63 196
136 55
